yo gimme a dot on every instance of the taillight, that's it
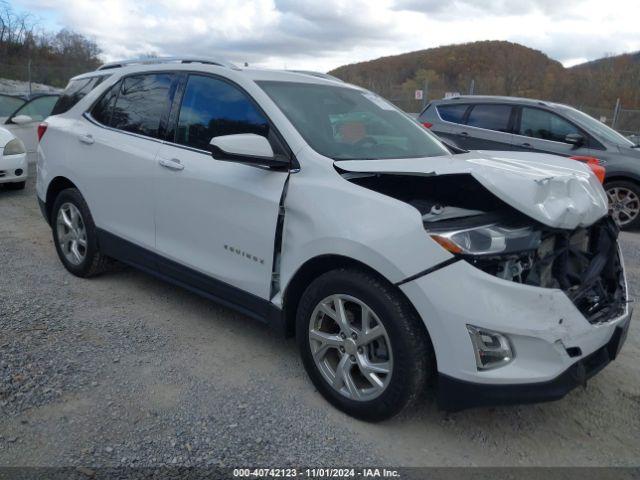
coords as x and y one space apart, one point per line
42 127
594 165
427 124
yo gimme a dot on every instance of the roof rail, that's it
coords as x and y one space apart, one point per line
326 76
156 60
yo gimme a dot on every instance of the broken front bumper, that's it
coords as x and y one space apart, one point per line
454 395
551 338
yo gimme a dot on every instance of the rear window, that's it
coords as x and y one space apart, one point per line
74 92
452 113
491 117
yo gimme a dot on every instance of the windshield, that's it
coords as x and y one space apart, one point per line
348 124
596 127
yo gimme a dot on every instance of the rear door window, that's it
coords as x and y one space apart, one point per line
211 108
74 92
538 123
491 117
141 104
452 113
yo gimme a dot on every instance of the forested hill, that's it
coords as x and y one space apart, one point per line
500 68
49 58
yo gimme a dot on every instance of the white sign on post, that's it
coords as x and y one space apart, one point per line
451 94
418 94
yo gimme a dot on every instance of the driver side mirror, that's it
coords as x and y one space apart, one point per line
247 148
574 139
21 119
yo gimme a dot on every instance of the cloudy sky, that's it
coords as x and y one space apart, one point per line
323 34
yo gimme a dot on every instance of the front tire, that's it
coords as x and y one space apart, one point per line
74 235
624 203
362 344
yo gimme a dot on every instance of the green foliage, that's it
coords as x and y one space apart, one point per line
51 58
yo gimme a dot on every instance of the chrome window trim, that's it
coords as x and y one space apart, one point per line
87 115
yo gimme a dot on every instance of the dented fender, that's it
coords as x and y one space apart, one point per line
376 230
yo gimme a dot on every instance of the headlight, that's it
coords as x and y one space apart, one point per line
488 239
492 349
14 147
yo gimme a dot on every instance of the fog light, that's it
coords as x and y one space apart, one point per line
18 172
492 349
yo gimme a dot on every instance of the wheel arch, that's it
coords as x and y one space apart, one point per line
57 185
622 177
317 266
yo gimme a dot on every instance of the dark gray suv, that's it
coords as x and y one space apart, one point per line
508 123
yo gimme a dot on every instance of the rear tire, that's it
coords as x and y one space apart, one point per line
402 346
624 203
74 235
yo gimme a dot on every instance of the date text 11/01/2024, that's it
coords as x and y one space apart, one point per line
316 473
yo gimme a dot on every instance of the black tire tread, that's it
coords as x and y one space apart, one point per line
97 263
414 367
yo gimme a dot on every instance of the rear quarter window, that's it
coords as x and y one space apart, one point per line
452 113
74 92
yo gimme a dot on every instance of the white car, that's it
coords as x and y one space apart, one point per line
321 209
13 161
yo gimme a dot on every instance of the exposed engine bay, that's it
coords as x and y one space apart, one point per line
468 220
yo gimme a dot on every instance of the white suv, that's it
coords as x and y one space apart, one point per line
318 207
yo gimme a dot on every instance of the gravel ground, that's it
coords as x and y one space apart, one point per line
126 370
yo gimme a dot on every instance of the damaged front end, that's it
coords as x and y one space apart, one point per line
475 225
584 263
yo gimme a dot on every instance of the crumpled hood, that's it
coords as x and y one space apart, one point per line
553 190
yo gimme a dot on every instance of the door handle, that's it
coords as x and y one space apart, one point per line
526 144
86 138
173 164
464 133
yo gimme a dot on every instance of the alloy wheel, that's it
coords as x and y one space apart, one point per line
624 205
350 347
71 233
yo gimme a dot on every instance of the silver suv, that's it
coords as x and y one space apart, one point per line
522 124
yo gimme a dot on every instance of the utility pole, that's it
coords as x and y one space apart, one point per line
425 94
616 112
29 76
472 86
